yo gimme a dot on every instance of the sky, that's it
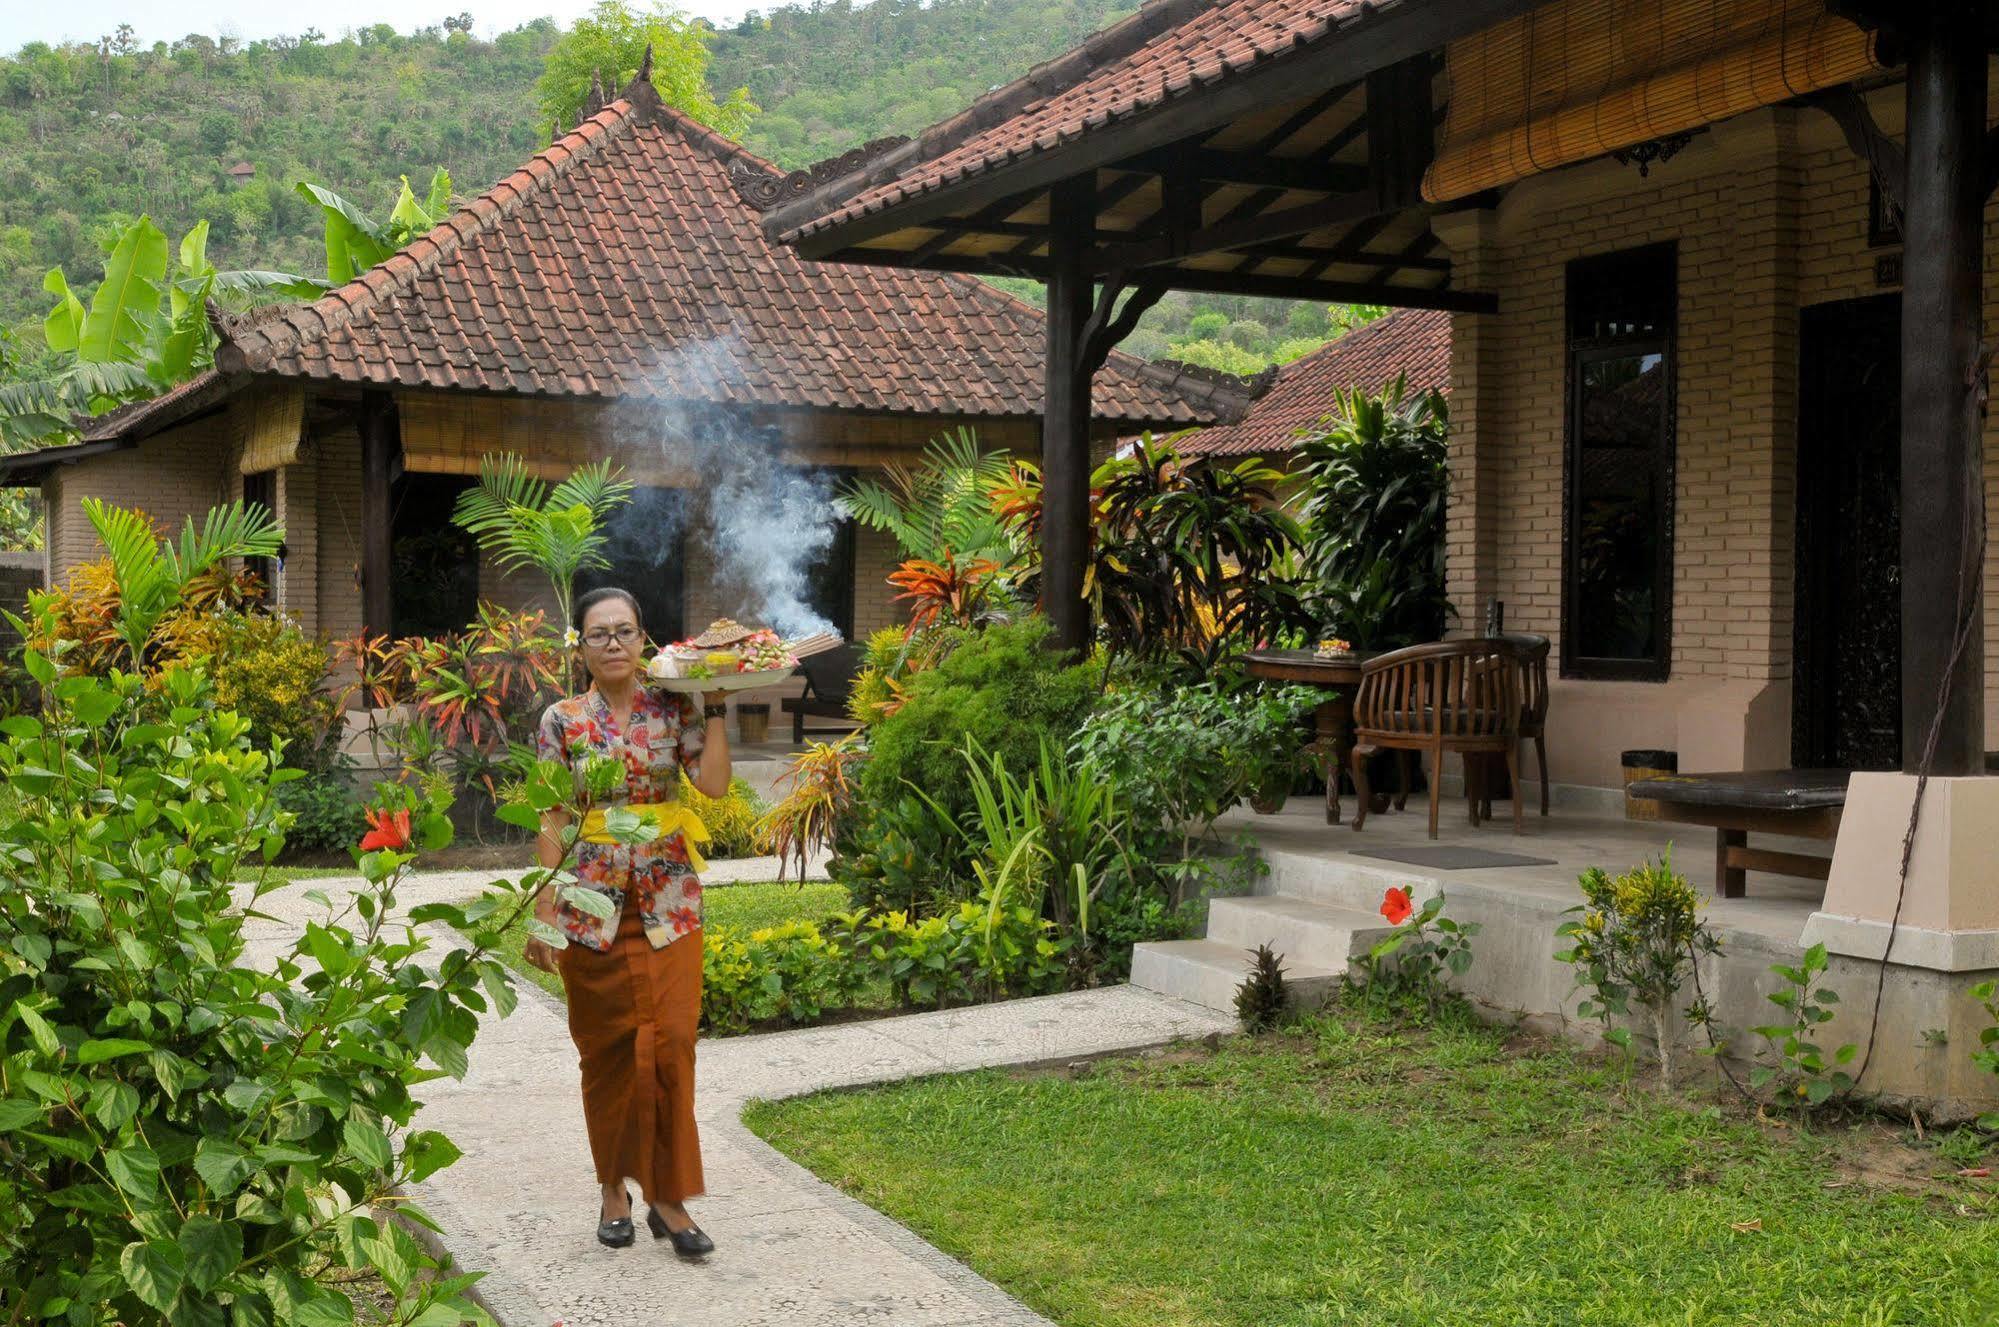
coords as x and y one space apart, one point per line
24 21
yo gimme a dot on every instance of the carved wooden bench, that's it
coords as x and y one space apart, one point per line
1804 803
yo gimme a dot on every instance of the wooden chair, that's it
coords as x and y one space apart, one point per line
829 680
1533 654
1456 695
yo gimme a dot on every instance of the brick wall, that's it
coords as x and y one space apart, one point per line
179 474
1769 212
19 574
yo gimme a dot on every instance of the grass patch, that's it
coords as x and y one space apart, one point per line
1379 1175
744 907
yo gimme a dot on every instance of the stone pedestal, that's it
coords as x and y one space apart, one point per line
1950 908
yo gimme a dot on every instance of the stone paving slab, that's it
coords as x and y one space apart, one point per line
522 1203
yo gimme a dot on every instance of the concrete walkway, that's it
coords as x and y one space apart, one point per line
522 1205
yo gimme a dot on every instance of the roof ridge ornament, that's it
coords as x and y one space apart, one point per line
1251 385
640 92
764 189
594 103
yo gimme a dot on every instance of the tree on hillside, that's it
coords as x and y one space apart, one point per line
608 45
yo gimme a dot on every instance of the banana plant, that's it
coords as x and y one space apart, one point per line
522 522
355 243
145 330
153 573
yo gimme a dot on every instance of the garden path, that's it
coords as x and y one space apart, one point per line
522 1205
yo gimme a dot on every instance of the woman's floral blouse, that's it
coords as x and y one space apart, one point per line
662 738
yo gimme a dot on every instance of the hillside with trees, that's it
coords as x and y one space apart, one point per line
92 136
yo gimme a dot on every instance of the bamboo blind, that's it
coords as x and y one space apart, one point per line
449 435
269 427
1575 79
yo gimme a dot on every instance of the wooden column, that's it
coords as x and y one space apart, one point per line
1065 419
1943 506
380 441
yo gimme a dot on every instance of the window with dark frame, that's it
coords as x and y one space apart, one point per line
261 490
1617 565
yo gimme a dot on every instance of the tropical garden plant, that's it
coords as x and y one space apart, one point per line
1190 558
1415 962
355 243
192 1136
521 521
145 330
941 510
1803 1074
1374 483
1636 940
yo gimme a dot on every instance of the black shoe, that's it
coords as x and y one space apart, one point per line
688 1243
617 1234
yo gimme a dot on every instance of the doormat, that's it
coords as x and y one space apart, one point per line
1450 858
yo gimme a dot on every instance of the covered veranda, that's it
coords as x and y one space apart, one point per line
1340 150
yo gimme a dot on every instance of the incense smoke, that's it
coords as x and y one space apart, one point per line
756 526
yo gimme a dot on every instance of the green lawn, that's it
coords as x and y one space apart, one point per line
747 907
1390 1176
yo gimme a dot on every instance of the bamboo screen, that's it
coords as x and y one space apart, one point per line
269 427
447 435
1575 79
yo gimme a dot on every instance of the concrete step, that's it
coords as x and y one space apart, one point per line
1341 882
1303 930
1207 972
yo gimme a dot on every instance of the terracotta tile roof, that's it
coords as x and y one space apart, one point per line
1411 342
204 389
1168 50
623 261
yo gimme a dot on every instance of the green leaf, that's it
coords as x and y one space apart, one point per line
114 1103
63 328
154 1269
428 1152
328 1309
38 1028
591 901
127 301
16 1113
245 1094
134 1169
222 1165
212 1248
110 1048
368 1143
438 1315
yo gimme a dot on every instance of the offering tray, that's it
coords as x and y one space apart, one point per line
694 686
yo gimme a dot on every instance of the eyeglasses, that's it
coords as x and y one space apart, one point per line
598 639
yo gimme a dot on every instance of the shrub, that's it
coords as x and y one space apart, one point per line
323 811
1638 939
999 687
731 820
265 669
981 950
806 819
184 1129
1183 755
1986 1057
790 972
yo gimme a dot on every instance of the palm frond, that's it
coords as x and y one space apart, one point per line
599 486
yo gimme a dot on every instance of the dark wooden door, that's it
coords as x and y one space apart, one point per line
1847 689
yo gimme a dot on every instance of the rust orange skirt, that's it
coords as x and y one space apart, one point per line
633 1013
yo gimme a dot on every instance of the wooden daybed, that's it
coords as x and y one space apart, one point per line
1803 803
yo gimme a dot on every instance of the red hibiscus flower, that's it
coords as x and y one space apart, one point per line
1395 906
386 829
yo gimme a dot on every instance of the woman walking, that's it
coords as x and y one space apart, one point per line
633 979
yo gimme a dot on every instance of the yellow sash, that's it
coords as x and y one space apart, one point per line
671 817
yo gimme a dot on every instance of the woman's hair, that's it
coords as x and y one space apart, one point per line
585 603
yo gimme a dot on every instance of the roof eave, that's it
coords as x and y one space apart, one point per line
1379 36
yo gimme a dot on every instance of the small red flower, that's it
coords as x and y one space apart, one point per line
1395 906
386 829
683 920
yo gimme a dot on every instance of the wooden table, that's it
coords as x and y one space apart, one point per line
1339 677
1804 803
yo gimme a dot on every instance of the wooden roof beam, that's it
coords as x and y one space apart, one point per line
1261 171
